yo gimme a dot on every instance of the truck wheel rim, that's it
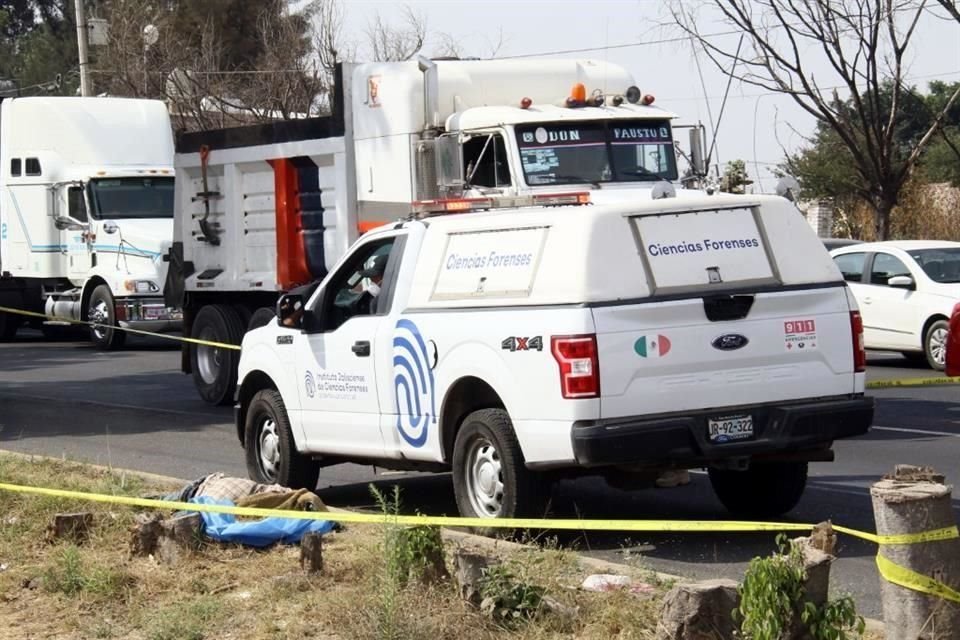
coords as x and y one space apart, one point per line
484 478
99 313
268 449
938 345
209 358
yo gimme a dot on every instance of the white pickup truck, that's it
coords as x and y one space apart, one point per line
517 345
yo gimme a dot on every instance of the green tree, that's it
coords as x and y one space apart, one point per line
863 45
826 166
38 44
735 178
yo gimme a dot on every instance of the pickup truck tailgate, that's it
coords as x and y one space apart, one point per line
670 356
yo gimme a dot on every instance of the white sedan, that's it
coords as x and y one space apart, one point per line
906 291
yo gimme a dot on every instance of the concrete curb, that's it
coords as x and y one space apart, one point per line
494 544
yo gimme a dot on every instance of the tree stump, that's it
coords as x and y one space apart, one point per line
311 553
167 540
470 568
72 526
817 552
915 500
699 611
179 536
145 534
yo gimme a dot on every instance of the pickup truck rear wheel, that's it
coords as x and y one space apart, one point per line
215 368
490 478
765 490
272 456
100 309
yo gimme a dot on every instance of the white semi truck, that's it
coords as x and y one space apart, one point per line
263 209
86 214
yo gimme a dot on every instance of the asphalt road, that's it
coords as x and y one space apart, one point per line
133 409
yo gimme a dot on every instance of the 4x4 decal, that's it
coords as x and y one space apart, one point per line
522 344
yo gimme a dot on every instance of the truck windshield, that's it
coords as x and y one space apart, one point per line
131 198
594 152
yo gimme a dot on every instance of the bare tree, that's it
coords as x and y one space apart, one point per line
862 42
205 89
451 46
952 8
389 43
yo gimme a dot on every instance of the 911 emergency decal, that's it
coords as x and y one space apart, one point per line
522 344
800 335
413 384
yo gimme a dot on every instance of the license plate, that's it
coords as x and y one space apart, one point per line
730 428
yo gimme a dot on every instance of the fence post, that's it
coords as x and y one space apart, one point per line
909 501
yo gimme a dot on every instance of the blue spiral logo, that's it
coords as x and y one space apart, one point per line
413 383
309 385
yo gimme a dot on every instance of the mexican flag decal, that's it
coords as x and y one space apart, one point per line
652 346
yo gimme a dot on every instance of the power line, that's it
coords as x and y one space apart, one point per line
623 45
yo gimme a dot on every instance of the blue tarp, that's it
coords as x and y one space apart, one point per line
260 533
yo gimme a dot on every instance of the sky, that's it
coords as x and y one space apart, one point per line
756 126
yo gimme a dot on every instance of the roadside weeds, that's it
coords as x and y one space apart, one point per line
95 589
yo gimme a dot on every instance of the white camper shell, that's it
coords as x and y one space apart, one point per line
86 208
516 346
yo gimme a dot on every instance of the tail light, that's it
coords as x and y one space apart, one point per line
579 365
859 353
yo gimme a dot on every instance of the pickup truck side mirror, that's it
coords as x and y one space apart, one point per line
290 310
902 282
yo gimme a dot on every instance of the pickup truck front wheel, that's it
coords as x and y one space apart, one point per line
490 479
272 456
765 490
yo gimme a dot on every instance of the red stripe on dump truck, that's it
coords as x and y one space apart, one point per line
292 267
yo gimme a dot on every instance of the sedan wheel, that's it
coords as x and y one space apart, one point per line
935 345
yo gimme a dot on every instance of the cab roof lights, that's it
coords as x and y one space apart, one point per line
467 205
578 98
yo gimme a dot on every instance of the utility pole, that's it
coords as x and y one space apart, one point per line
82 48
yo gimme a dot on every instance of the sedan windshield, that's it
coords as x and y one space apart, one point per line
131 198
595 152
941 265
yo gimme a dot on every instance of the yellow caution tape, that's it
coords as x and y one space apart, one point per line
935 535
889 570
909 579
912 382
205 343
729 526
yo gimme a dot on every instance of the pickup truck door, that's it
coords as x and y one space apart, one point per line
337 359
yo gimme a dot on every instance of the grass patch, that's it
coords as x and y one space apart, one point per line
372 587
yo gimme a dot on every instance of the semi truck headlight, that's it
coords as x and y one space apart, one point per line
140 286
